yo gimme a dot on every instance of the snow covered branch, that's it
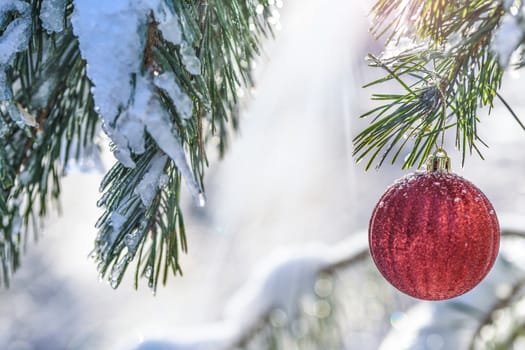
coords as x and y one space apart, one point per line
278 282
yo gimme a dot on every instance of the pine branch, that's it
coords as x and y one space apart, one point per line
47 119
180 95
447 70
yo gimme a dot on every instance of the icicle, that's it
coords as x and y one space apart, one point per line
117 271
201 199
147 187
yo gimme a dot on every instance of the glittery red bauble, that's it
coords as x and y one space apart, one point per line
434 235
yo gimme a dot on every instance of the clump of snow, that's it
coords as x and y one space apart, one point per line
160 129
507 38
168 23
190 60
147 187
111 44
14 39
397 47
182 102
286 275
52 15
8 6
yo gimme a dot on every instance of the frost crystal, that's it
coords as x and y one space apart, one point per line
147 187
169 24
190 60
182 102
52 15
507 39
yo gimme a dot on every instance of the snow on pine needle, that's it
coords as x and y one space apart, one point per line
111 43
14 39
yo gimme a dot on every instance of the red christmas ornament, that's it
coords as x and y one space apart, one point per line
434 235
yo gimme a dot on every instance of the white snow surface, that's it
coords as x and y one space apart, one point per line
507 38
52 15
111 37
147 187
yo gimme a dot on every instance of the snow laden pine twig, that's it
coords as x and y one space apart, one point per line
165 78
448 58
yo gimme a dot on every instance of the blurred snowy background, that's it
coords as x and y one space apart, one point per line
288 180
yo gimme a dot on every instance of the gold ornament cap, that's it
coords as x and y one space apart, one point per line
439 161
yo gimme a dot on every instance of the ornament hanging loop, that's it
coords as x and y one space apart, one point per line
439 161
